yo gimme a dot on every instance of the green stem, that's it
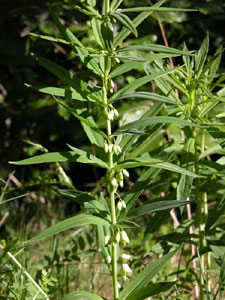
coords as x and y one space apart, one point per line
200 221
112 189
205 208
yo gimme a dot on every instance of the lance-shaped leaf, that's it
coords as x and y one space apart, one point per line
143 278
76 45
155 48
156 206
77 196
150 290
130 65
81 295
64 156
137 21
77 221
153 8
48 38
202 56
139 82
156 163
67 77
89 124
125 21
155 120
69 93
148 96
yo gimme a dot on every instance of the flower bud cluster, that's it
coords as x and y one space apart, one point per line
125 270
120 236
111 86
120 177
121 204
110 111
112 148
125 267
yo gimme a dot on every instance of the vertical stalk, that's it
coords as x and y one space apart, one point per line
205 209
111 188
199 219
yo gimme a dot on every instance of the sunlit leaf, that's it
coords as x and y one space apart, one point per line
77 221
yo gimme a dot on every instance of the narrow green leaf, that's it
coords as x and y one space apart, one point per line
131 58
66 33
137 21
48 38
125 21
77 196
77 46
214 63
136 190
128 141
156 163
89 124
107 34
139 82
96 27
77 221
115 4
130 65
155 48
156 206
88 156
69 93
201 56
155 120
150 290
153 9
65 156
67 77
148 96
146 275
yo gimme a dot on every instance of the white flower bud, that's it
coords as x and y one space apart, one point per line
119 206
125 256
114 148
111 115
125 173
127 269
106 147
117 60
116 112
108 259
118 237
110 148
107 240
124 204
114 182
121 183
118 149
124 237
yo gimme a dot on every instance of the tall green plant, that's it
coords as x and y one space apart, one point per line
201 100
115 150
